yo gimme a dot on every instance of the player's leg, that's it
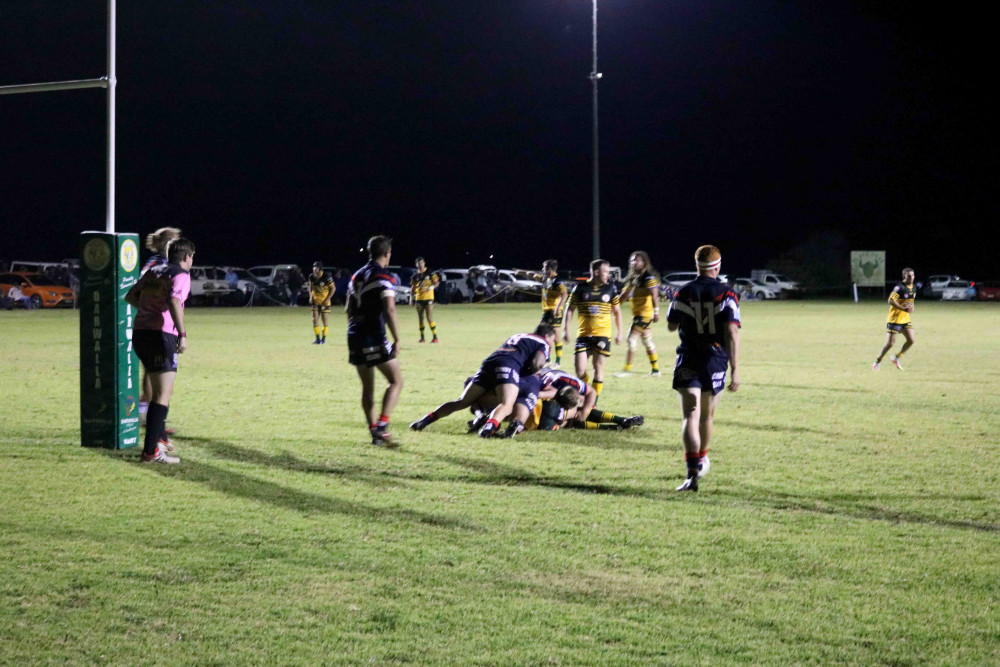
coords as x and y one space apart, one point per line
890 340
156 417
367 377
506 397
145 395
472 393
392 373
691 434
420 318
654 359
598 383
632 342
316 329
558 344
909 335
580 361
325 317
430 322
706 427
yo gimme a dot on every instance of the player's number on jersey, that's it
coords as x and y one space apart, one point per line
702 316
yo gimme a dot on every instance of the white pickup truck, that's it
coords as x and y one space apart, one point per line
775 281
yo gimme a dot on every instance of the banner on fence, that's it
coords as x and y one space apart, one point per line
868 268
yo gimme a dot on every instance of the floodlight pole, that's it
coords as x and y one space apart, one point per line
108 82
594 77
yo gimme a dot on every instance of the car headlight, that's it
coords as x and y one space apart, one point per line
52 294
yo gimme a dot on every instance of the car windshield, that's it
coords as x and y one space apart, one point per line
38 280
959 283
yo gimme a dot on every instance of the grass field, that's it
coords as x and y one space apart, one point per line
849 517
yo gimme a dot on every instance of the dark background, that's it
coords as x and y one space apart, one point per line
291 131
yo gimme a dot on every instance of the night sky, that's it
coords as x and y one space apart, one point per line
289 131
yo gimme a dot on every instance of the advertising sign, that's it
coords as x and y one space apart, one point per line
109 368
868 268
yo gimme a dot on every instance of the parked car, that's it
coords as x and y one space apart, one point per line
959 290
776 281
677 279
453 287
749 288
934 285
269 272
988 290
248 286
41 289
208 283
520 288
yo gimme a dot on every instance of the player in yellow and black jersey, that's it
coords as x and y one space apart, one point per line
642 287
898 321
554 297
597 303
422 285
321 290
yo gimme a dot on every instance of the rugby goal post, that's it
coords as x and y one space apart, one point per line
109 369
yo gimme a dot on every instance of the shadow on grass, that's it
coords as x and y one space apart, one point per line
776 428
806 387
490 472
242 486
286 461
851 505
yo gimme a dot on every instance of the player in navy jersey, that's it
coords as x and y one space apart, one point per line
499 374
371 307
707 315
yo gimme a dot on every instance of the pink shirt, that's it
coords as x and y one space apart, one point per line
156 287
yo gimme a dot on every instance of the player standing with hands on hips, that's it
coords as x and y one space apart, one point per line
707 315
159 336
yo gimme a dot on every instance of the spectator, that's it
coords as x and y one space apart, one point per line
295 281
470 282
232 279
16 295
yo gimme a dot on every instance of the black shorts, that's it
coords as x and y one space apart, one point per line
641 323
320 308
424 302
156 350
492 374
706 373
892 327
549 317
594 345
369 350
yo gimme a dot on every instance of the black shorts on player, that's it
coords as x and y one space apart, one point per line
156 350
641 323
492 374
707 373
369 351
549 317
593 345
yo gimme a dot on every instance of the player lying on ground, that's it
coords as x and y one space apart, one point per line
531 391
499 374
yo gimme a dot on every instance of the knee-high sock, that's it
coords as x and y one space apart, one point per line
156 420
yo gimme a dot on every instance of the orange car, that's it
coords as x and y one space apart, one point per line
41 290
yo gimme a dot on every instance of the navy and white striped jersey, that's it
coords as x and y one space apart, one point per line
365 311
704 308
518 351
559 379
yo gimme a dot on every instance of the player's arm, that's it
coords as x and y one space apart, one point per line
899 306
616 312
589 401
389 305
733 347
563 298
547 394
654 292
131 298
176 307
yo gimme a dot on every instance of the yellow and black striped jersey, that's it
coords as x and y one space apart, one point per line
321 287
553 290
642 288
422 285
904 296
593 304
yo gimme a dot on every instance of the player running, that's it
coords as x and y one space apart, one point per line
422 285
597 303
900 307
642 286
371 307
707 313
499 374
321 291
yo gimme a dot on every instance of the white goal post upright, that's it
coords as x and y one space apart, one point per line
108 82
